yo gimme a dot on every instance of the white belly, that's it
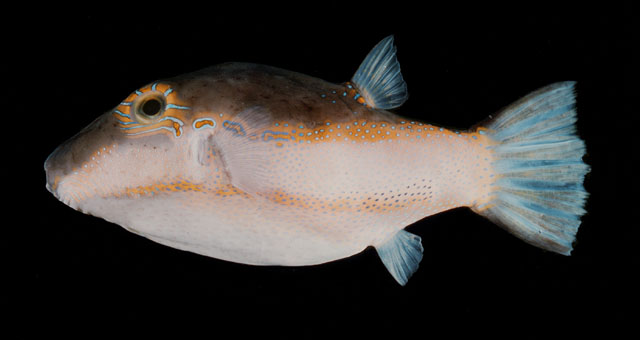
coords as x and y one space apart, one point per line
253 231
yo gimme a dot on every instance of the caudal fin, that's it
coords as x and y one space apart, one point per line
538 193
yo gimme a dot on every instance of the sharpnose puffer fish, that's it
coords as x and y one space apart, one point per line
259 165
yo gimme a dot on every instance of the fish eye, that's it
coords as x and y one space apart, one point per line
151 107
148 107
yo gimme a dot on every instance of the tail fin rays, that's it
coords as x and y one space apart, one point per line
538 194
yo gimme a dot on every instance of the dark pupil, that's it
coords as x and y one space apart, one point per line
151 107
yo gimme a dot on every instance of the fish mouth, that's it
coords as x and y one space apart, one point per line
63 197
55 179
51 181
54 169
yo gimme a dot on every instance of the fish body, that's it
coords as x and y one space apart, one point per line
254 164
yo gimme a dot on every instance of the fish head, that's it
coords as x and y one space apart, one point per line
189 143
149 144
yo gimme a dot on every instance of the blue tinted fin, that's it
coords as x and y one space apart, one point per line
378 78
538 194
401 255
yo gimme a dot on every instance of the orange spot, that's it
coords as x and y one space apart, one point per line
176 126
202 123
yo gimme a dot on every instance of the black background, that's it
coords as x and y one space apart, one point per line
66 269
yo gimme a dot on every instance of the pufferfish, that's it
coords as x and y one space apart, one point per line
259 165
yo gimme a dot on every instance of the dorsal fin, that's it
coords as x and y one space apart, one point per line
378 78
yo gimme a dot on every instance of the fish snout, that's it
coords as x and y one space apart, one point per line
51 171
68 167
56 166
57 169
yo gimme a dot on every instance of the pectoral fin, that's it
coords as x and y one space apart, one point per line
401 255
241 151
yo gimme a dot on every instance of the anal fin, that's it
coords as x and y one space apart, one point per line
401 254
